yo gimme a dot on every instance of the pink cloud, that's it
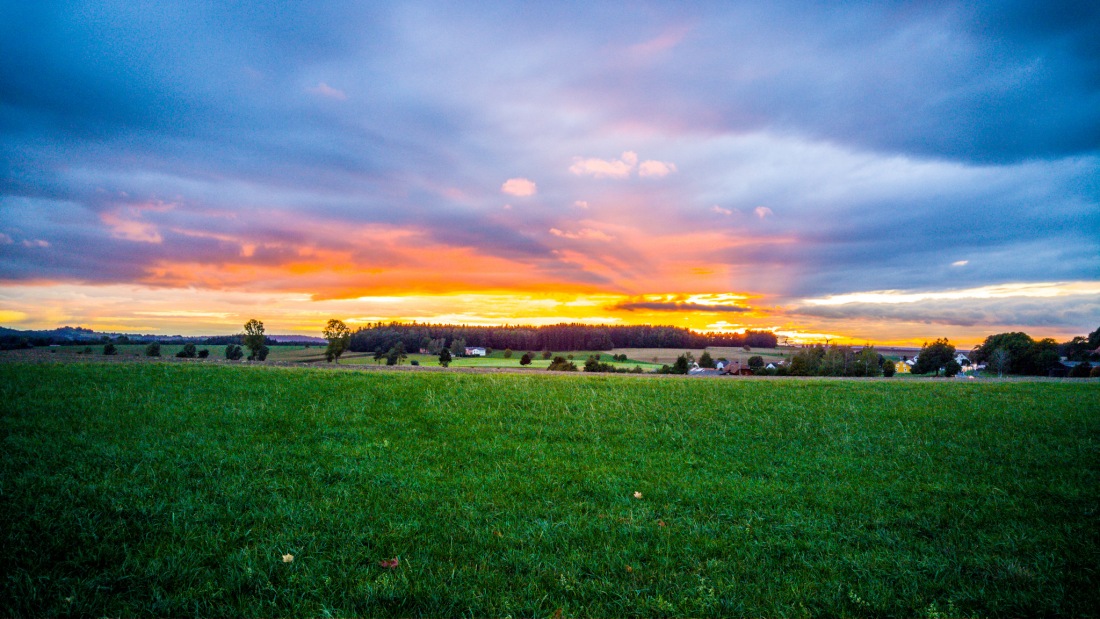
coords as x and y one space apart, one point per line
721 211
587 234
656 168
519 187
329 92
605 168
762 212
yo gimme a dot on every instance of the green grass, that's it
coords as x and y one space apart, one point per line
175 489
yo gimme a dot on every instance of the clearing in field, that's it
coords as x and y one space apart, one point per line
187 489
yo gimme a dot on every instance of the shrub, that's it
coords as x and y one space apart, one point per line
888 368
233 352
153 350
445 357
1081 370
204 353
1095 372
259 353
414 362
756 362
507 353
951 368
525 359
109 349
705 360
561 364
188 352
546 354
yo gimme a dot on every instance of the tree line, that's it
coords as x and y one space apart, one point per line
562 337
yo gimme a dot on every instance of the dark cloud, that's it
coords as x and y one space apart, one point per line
1060 312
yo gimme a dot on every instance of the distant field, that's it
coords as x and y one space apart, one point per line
498 360
661 356
188 489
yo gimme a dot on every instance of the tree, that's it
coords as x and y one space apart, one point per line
756 362
507 353
110 349
951 368
153 350
338 336
888 368
525 359
188 351
260 353
204 353
396 354
705 360
253 338
458 347
682 365
934 357
233 352
379 354
445 357
1000 360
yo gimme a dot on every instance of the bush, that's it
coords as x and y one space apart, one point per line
705 360
1095 372
445 357
188 352
109 349
204 353
414 362
507 353
561 364
592 364
233 352
259 353
525 359
888 368
756 362
1081 370
951 368
153 350
546 354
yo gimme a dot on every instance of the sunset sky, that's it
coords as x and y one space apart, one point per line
886 172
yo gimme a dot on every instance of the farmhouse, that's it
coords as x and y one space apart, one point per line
475 351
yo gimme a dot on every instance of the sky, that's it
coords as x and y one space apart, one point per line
883 172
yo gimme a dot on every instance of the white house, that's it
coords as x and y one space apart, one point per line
475 351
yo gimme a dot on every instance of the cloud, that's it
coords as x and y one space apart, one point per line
36 243
581 204
656 168
1067 305
131 229
324 90
960 263
762 212
519 187
588 234
5 239
721 211
665 306
604 168
623 167
719 303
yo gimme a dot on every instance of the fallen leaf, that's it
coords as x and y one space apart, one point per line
637 494
288 558
629 569
498 534
660 523
389 563
557 614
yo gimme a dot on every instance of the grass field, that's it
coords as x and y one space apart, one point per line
498 360
172 489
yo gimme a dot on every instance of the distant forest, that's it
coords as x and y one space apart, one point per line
561 337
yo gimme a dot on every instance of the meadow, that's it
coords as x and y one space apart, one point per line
171 489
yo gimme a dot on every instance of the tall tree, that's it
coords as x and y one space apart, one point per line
338 336
254 338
